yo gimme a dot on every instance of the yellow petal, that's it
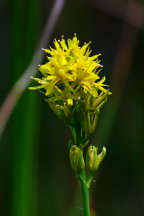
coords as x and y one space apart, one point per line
70 101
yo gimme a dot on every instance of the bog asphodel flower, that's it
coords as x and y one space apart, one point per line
69 69
71 76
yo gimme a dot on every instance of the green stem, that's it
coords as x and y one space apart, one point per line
85 193
90 178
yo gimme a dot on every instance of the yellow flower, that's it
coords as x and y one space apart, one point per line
70 80
70 73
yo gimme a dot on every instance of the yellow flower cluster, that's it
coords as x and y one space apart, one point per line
70 73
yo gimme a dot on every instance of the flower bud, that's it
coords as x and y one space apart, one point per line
101 156
76 158
92 159
99 101
62 111
90 121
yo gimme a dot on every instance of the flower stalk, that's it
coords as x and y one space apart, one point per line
85 193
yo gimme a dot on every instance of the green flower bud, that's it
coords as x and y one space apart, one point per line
92 159
100 101
76 158
62 111
101 156
90 121
91 112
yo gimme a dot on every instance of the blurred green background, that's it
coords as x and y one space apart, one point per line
35 174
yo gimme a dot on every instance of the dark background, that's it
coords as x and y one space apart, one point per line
35 174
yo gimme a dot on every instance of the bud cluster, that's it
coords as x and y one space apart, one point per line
93 159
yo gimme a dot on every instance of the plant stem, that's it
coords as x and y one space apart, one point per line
85 193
